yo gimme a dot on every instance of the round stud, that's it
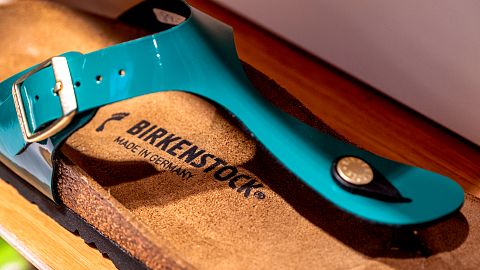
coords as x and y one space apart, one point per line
354 170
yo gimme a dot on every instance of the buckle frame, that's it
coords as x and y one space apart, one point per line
63 88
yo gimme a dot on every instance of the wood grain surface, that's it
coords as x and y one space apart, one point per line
41 240
360 113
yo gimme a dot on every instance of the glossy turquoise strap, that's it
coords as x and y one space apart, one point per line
199 56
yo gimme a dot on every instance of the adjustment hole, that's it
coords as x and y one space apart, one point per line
122 72
37 97
77 84
99 78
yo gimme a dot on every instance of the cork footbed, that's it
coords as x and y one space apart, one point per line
177 215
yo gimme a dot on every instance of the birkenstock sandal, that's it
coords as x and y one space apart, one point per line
171 134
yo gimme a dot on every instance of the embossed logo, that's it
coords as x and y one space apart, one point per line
172 148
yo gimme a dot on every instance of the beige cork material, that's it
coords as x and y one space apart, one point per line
179 183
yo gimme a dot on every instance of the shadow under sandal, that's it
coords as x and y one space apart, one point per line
181 156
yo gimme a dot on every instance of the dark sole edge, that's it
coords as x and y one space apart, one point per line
72 222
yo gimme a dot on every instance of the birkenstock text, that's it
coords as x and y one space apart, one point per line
190 154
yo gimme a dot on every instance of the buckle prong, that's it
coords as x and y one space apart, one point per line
58 87
63 88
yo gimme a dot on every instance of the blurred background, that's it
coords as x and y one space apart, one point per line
10 259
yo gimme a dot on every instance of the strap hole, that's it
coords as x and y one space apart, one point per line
99 78
37 97
122 72
77 84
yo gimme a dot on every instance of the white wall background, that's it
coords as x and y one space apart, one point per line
426 54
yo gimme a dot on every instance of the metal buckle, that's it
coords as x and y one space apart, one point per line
63 88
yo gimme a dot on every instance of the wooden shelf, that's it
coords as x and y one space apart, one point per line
361 114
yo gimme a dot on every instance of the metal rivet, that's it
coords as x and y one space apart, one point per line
354 170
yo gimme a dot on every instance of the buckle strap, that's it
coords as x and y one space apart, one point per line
163 61
63 88
198 56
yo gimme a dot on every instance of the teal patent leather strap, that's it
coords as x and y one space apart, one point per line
199 56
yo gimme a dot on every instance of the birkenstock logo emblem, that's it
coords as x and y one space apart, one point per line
114 117
181 150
